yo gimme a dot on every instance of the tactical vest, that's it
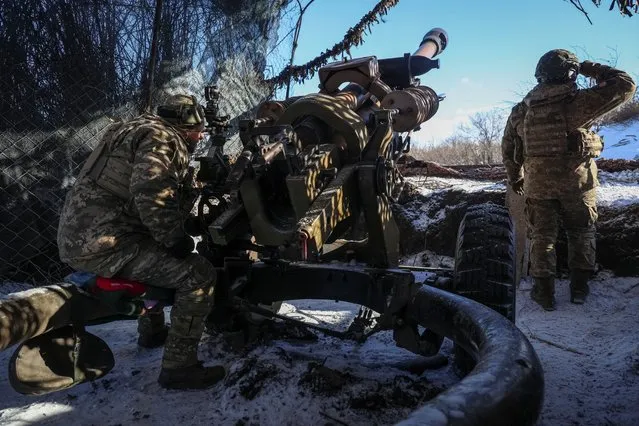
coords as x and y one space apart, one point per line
546 132
545 128
109 165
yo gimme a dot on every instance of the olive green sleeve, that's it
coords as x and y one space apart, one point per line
512 145
155 184
613 88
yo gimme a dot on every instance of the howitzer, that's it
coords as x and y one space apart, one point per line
312 167
305 212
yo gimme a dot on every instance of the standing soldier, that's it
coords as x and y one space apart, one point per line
548 152
124 217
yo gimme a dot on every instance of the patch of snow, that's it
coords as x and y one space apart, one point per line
423 220
590 352
621 141
428 258
618 189
430 185
624 177
424 211
273 391
38 413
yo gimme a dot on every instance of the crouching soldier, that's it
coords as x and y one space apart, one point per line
124 218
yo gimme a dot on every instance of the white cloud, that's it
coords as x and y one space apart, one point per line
465 80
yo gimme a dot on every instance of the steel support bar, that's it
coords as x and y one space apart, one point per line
506 387
371 287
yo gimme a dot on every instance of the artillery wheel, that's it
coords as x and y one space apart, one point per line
485 264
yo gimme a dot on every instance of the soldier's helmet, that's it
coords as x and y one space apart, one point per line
557 66
182 111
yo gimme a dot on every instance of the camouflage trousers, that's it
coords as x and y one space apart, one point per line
193 278
578 214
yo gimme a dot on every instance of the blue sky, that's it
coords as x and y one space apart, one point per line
493 48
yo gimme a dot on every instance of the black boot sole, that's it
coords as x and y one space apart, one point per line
544 304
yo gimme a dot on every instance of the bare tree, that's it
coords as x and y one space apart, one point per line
485 129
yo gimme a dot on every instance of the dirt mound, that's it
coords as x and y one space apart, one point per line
429 210
412 167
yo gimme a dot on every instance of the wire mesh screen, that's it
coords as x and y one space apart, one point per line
70 68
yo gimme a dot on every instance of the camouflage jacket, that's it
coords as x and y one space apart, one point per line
151 159
551 177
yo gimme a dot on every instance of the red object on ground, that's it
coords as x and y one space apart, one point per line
132 288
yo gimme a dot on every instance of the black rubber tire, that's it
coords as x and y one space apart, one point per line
485 267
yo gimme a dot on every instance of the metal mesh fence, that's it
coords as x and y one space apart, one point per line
53 112
37 166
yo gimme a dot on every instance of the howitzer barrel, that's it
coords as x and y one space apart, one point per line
401 72
433 43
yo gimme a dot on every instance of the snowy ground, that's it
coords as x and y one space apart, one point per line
590 353
590 356
616 188
269 385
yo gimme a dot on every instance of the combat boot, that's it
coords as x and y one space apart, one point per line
154 340
543 292
152 329
193 377
579 289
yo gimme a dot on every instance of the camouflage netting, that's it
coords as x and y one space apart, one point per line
69 68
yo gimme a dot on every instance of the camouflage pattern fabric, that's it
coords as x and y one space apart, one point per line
101 231
552 177
96 222
193 278
561 186
578 215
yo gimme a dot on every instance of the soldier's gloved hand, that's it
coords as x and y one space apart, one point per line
589 69
182 248
518 187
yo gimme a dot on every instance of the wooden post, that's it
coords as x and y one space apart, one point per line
153 56
516 206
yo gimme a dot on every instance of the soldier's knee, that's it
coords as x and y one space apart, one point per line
199 273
